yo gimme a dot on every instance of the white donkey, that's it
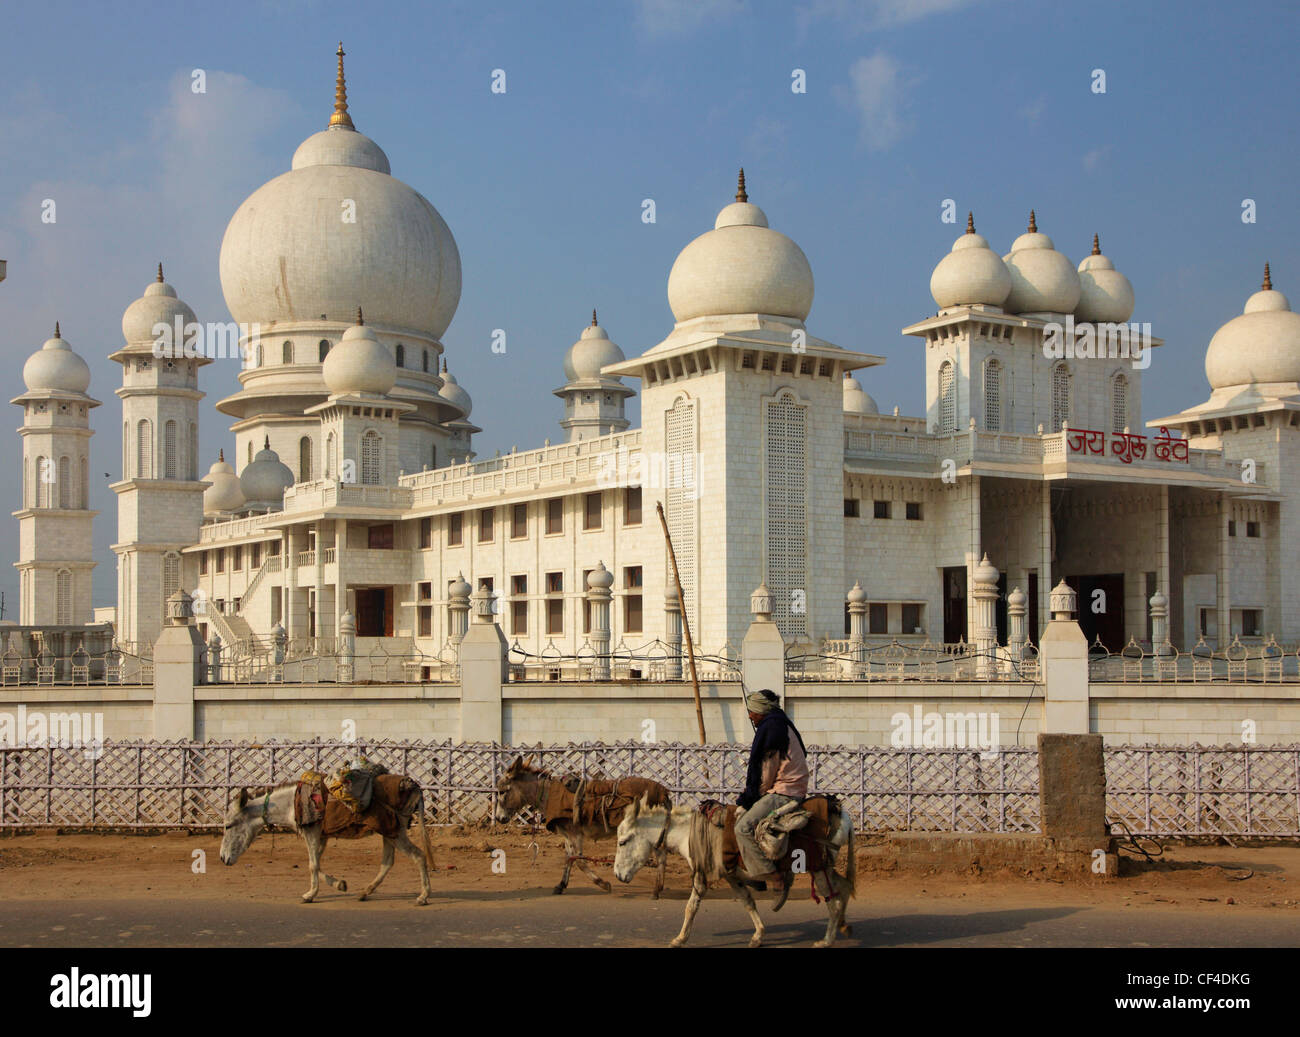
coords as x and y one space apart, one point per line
249 815
688 832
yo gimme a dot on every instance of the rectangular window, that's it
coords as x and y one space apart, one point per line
850 508
486 522
632 506
426 532
519 521
555 583
221 559
1232 528
238 563
255 556
878 619
912 619
882 509
519 617
486 583
591 511
914 510
518 585
555 615
424 591
203 563
555 515
426 620
1252 623
1252 529
455 527
632 602
380 538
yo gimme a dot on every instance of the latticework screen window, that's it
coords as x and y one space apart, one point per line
993 396
1119 404
371 458
682 494
787 515
1060 396
947 398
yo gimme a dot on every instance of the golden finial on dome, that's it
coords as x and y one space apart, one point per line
360 319
341 116
1268 281
56 330
1033 222
160 277
970 223
593 317
1096 245
444 365
741 196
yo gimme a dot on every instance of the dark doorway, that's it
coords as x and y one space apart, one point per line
1108 625
1000 610
374 611
1032 605
954 604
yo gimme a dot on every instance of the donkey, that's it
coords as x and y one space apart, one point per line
250 814
526 785
689 832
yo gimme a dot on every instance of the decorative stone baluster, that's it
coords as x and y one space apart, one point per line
599 583
986 597
857 599
458 609
673 625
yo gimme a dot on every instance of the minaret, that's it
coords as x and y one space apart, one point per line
54 523
159 497
593 402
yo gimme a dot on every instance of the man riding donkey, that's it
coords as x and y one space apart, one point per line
777 777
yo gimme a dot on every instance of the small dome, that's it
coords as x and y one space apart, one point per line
452 391
224 494
340 146
741 266
56 368
1042 280
590 353
264 480
158 304
1260 346
970 274
359 363
1105 295
856 400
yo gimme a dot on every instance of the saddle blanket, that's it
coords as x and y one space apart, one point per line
602 802
313 804
823 808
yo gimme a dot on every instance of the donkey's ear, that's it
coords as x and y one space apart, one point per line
519 762
243 798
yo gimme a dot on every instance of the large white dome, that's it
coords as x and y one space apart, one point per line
1105 295
971 274
157 304
741 266
55 367
1042 280
337 229
1258 347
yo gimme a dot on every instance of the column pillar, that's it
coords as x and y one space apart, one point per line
347 648
1044 558
1223 596
1017 629
1159 606
177 669
340 584
972 556
673 635
320 581
598 593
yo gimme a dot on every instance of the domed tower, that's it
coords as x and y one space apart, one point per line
743 433
593 402
54 522
298 257
160 495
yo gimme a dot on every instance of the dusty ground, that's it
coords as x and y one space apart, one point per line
96 890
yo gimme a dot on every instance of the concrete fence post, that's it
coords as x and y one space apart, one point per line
762 652
177 670
483 669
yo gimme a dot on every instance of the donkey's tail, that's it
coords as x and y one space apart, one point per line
424 832
845 837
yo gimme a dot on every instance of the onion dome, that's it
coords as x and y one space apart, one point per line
856 400
741 266
1105 295
290 252
224 494
590 353
1042 280
1260 346
56 368
452 392
264 480
971 274
600 578
158 304
359 363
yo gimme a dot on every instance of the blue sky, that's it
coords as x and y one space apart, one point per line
908 103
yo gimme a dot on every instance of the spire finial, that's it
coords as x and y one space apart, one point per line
1096 245
593 316
267 445
360 319
221 454
741 196
160 276
970 223
1268 281
56 330
341 116
1033 222
444 365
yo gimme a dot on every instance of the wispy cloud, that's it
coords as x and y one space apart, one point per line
679 17
1093 158
768 135
1034 110
859 16
875 92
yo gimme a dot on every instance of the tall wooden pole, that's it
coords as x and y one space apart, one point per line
686 621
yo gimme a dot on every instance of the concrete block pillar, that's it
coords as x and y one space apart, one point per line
1017 629
1063 654
458 609
857 599
483 669
347 648
986 630
178 669
1159 606
762 652
598 593
1072 787
673 627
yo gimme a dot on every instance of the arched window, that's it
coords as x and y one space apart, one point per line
1119 403
194 451
329 456
433 456
1060 396
169 450
63 598
65 482
372 449
287 353
304 459
947 398
171 577
401 355
41 493
424 363
323 350
144 449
